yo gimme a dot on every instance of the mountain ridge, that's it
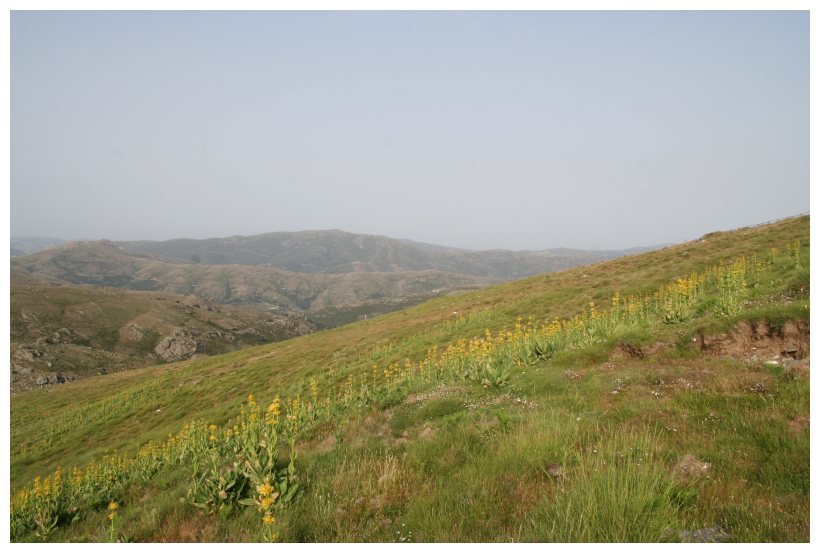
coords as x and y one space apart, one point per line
336 251
103 263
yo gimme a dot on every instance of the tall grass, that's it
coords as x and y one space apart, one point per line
620 491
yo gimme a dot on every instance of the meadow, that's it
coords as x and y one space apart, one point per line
594 404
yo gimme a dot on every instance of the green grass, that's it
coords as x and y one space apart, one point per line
454 461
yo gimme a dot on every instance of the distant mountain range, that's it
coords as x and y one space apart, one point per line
104 263
332 276
180 298
335 252
24 245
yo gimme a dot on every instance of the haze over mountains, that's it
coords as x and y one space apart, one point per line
335 251
24 245
299 271
104 263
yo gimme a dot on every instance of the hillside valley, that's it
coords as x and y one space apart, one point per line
660 397
333 277
60 333
335 251
104 263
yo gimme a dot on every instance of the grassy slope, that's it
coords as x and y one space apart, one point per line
99 318
485 454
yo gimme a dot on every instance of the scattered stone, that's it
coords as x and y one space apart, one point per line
439 392
500 400
555 471
684 384
691 468
609 366
759 388
714 534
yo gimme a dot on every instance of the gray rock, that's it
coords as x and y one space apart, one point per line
555 471
691 468
179 345
715 534
27 354
21 369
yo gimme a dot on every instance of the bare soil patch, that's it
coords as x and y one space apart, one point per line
758 341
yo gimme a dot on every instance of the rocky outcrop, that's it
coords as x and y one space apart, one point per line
85 331
132 333
26 378
180 344
27 354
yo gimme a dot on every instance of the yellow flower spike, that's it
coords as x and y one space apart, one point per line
264 490
113 506
268 519
274 407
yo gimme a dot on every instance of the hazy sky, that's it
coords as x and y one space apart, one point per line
518 130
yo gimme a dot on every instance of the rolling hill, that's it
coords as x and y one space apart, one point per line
61 333
328 298
657 397
335 251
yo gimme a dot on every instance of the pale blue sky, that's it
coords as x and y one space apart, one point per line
521 130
